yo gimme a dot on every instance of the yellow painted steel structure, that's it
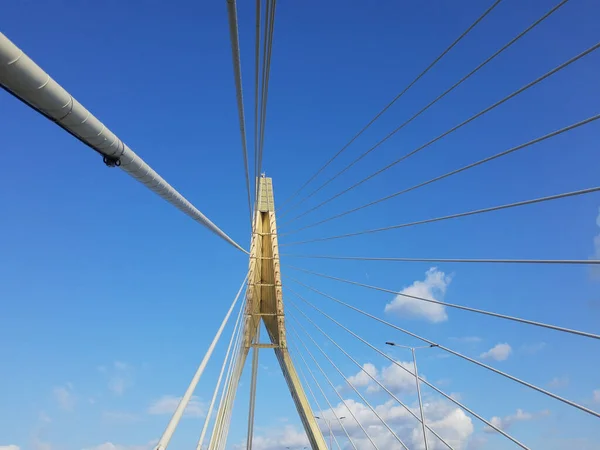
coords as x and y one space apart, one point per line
264 301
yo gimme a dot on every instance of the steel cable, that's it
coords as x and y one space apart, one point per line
450 305
453 216
451 130
450 260
356 363
422 380
380 113
460 355
237 74
453 172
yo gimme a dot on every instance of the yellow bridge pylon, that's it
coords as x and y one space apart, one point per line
264 301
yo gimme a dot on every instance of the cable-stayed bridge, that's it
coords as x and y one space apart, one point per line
272 310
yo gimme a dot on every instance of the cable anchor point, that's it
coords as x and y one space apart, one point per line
111 161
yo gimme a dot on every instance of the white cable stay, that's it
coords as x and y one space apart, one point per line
269 21
221 439
257 35
233 391
331 408
328 422
366 402
239 95
422 380
449 174
453 216
164 440
519 91
334 388
360 366
24 79
451 305
220 431
382 111
230 369
430 104
234 334
460 355
449 260
252 405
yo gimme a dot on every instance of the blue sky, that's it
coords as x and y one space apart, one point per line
109 296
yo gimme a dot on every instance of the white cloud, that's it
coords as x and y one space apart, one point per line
558 382
361 378
120 378
500 352
454 426
168 403
9 447
277 439
596 396
394 378
398 380
65 397
450 422
520 416
110 446
433 287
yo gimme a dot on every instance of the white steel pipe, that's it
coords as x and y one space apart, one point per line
163 442
234 335
23 78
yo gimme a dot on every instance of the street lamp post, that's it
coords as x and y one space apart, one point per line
328 422
414 355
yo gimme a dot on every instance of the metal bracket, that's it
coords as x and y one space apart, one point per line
111 161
